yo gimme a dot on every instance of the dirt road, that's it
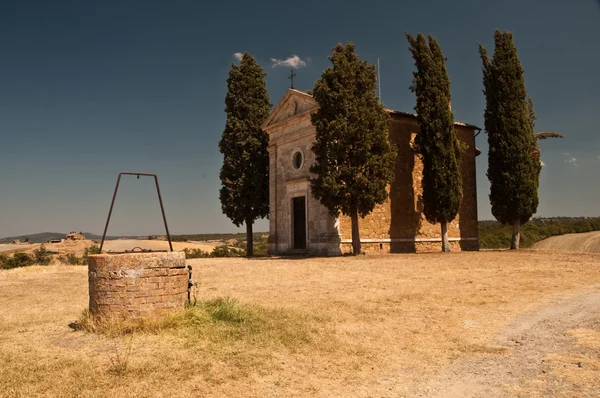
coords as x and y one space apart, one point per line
544 357
587 242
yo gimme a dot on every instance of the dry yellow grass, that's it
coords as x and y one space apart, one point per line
352 327
13 248
128 244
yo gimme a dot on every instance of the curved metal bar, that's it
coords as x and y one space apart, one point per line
112 204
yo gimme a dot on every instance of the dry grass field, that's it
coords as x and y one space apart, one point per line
492 324
128 244
8 248
588 242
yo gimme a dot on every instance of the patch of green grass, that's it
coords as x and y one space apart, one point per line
225 322
228 310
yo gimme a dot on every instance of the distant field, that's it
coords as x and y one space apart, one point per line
129 244
588 242
8 248
78 247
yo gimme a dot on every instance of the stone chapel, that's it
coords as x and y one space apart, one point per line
298 223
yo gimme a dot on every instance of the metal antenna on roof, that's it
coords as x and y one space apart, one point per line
292 75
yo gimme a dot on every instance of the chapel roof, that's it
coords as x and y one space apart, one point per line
391 111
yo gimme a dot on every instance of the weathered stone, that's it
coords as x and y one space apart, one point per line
135 285
398 225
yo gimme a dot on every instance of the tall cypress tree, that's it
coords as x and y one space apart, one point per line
244 176
436 142
513 156
354 161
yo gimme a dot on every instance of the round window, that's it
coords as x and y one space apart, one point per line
297 160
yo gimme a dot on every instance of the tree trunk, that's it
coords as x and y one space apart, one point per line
516 236
356 249
445 241
249 251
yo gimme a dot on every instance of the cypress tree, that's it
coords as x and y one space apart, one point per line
436 142
354 160
513 156
244 194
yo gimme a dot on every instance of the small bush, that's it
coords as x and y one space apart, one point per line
195 253
71 259
261 248
119 356
3 260
91 250
226 251
17 260
42 256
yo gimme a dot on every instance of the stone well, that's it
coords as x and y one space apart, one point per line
137 285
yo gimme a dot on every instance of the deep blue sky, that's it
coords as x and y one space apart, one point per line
89 89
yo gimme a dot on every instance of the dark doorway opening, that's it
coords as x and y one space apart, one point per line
299 222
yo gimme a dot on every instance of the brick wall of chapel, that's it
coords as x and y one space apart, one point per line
401 216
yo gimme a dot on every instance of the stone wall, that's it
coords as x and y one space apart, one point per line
396 226
399 224
137 285
286 138
412 246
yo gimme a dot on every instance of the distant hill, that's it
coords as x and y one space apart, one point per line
46 236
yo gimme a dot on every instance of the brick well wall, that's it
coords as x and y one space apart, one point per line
137 285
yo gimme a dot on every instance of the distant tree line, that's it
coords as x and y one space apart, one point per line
42 256
237 249
493 235
215 237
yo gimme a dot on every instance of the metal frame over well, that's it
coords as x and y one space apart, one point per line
112 204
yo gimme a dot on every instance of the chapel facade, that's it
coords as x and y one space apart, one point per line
298 223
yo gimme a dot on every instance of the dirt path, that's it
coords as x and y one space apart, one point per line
546 355
587 242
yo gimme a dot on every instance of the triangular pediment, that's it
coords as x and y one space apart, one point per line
293 104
